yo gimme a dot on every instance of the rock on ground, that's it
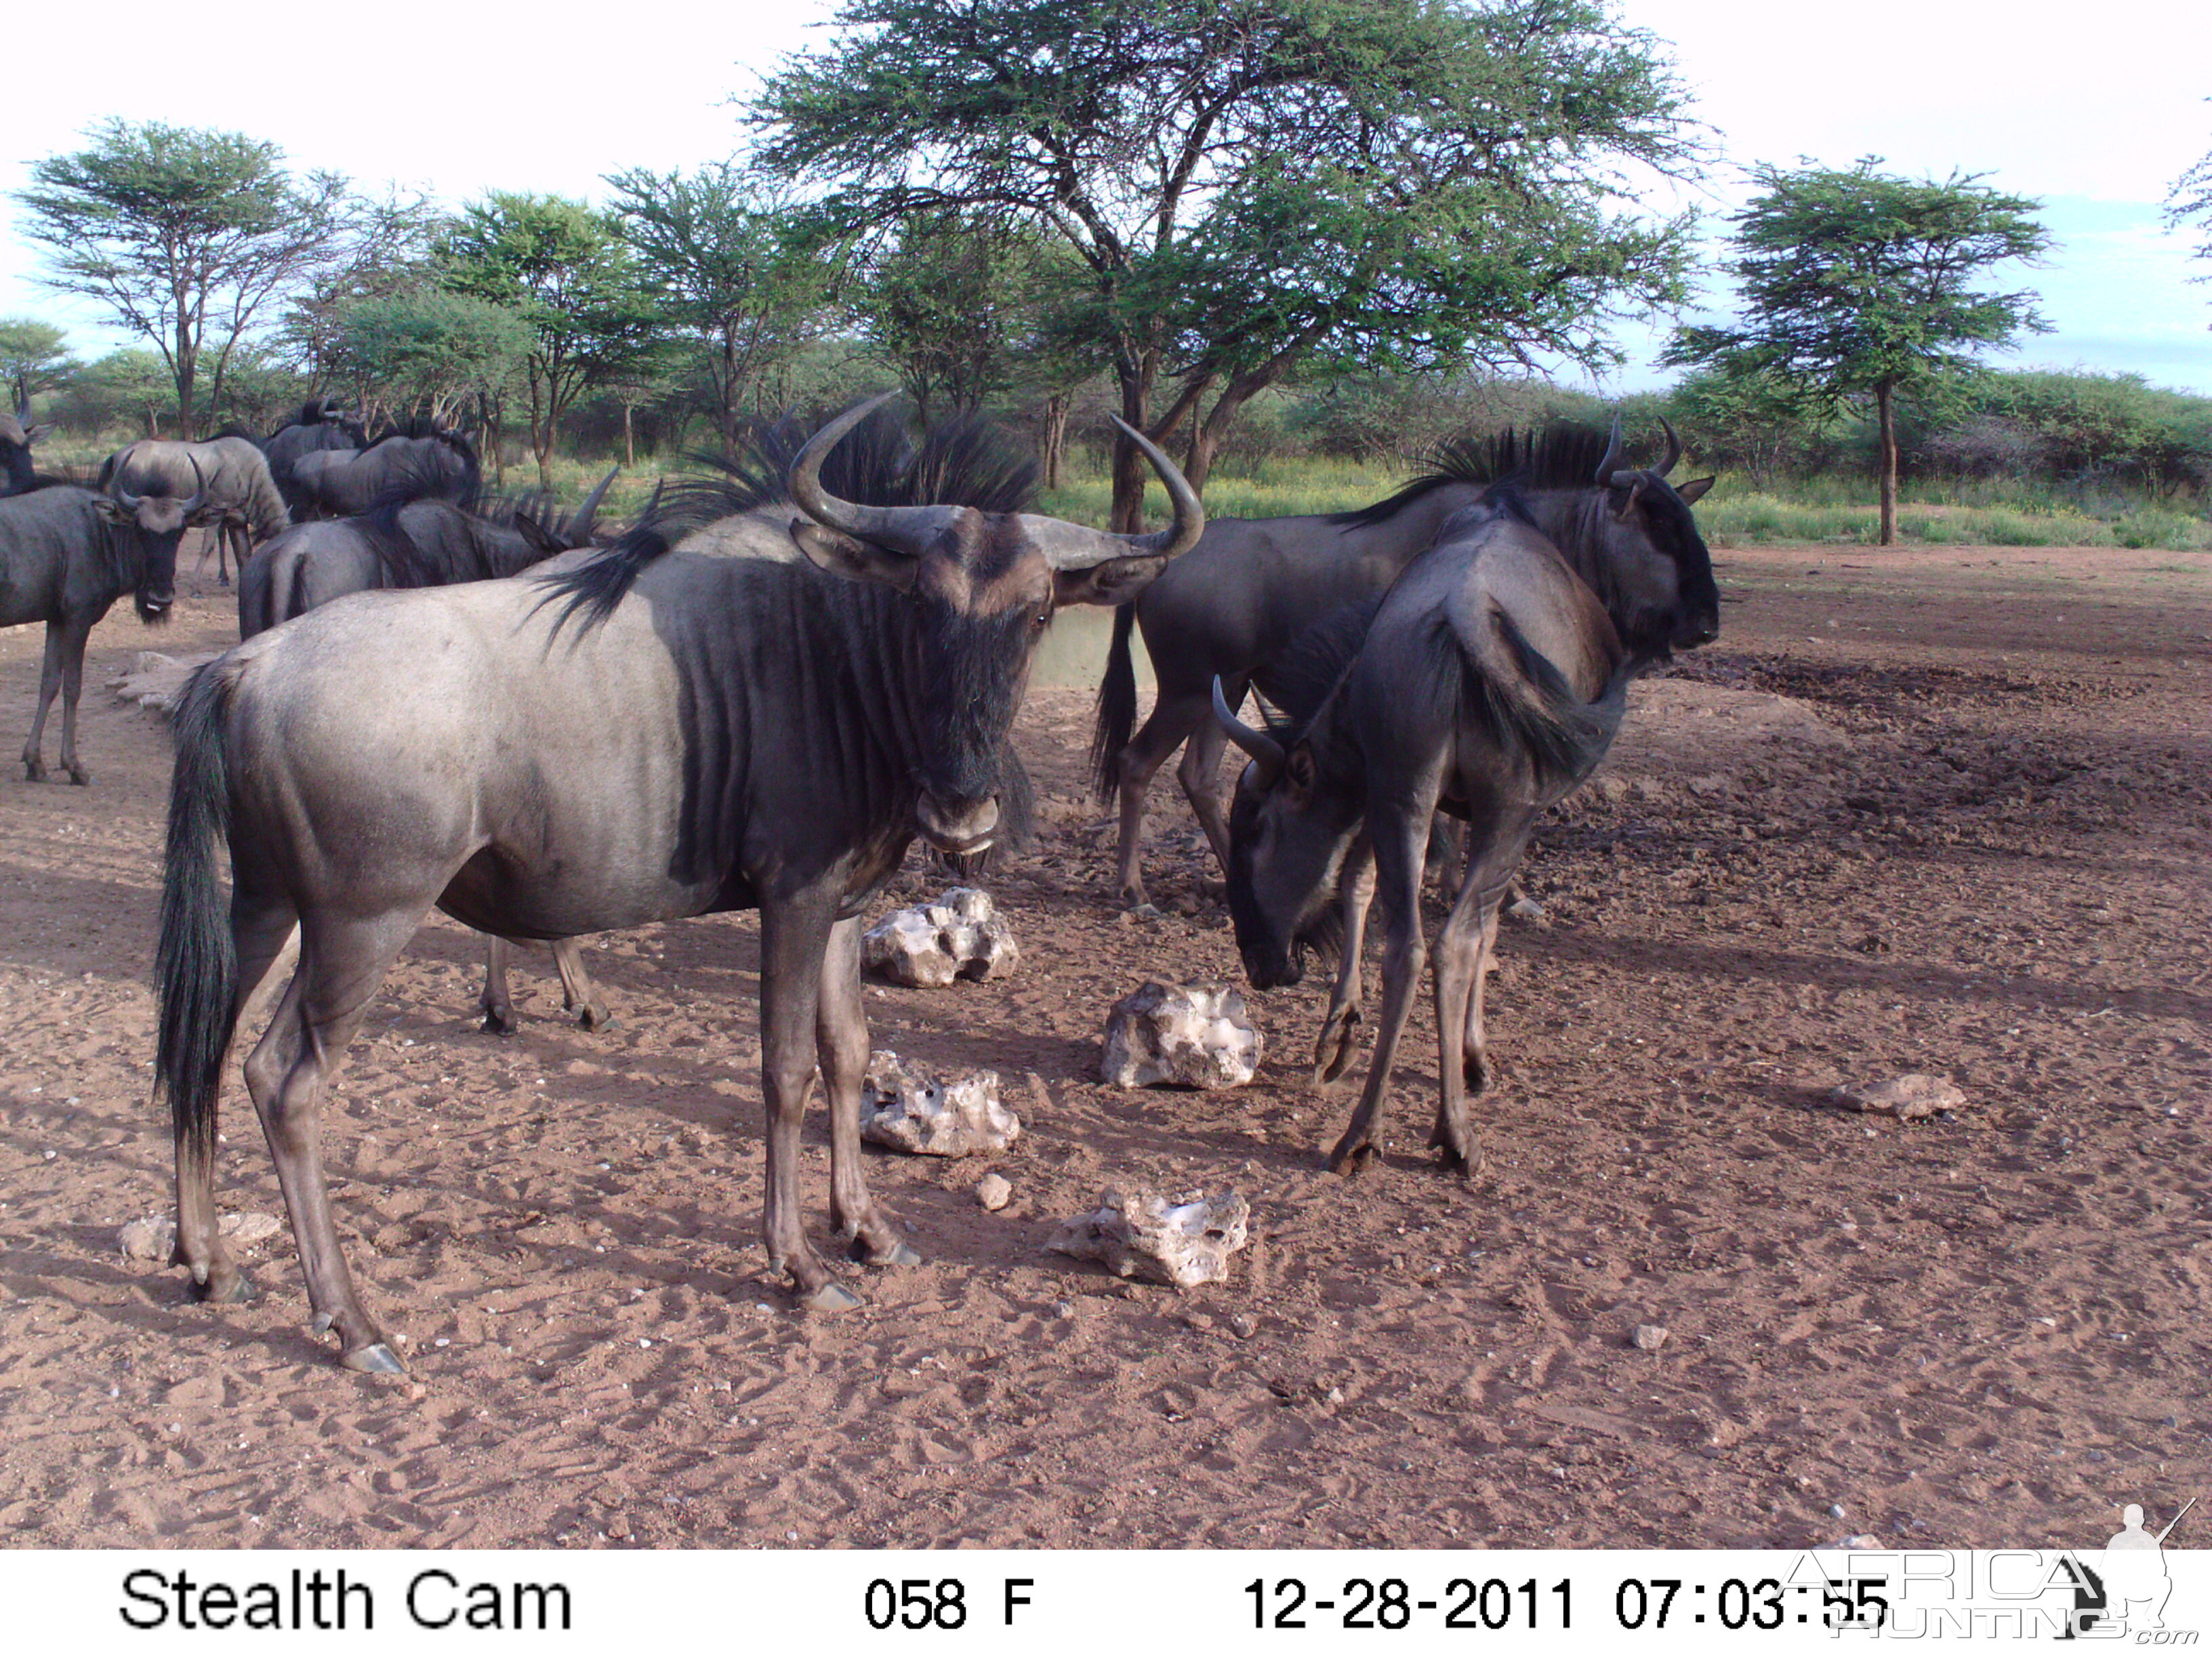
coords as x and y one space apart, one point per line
153 1238
158 681
904 1107
1198 1036
1182 1241
1915 1094
961 936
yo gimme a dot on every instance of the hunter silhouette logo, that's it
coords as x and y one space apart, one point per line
2127 1591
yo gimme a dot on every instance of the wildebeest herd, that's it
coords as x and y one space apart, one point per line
759 694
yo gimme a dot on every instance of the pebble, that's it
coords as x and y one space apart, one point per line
1837 1510
1244 1324
1065 1310
993 1192
1527 909
1650 1338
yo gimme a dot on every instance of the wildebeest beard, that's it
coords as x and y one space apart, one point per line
978 667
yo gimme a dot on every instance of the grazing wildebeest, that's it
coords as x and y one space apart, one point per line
424 544
653 734
430 464
1490 681
147 479
17 435
66 556
321 424
1230 609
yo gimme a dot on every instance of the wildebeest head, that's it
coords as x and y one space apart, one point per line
160 511
1655 575
17 435
156 523
984 586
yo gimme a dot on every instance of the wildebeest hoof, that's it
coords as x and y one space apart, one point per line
830 1298
1349 1160
34 772
900 1255
233 1286
79 776
593 1017
500 1022
376 1358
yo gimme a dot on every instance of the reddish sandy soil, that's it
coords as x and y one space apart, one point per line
1927 811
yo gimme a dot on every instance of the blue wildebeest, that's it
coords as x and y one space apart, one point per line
321 424
431 463
425 544
653 734
1489 682
66 556
17 435
149 478
1231 608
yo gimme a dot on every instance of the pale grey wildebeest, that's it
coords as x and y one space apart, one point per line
322 423
18 472
149 479
66 556
426 545
651 735
417 464
1489 682
1229 610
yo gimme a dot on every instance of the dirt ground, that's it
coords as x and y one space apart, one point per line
1925 811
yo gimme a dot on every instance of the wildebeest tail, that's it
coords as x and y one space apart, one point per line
1117 706
1528 708
196 961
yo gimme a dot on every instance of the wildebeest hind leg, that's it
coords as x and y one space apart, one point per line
1200 776
341 963
1338 1043
578 994
1174 718
64 647
1401 836
498 1007
794 937
842 1038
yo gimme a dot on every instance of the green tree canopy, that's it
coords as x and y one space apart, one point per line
2189 202
184 233
736 265
1856 283
561 268
34 357
1251 183
427 350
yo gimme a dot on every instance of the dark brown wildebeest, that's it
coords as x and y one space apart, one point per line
321 424
17 435
432 464
1489 682
66 556
1230 610
651 735
236 496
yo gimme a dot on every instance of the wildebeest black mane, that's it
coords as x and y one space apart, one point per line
1563 455
1299 681
959 463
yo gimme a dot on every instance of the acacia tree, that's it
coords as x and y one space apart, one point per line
185 234
561 268
736 265
34 357
1254 183
2189 201
1858 284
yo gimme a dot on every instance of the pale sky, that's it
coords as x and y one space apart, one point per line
2094 110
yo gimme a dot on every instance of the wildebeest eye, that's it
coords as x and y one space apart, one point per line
1041 621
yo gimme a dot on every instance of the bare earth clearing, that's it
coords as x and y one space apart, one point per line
1937 809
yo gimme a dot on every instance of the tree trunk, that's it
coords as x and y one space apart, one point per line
1052 437
1887 417
630 440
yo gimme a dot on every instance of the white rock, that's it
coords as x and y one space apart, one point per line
993 1192
1652 1338
1915 1094
1184 1241
157 681
1525 909
904 1108
1198 1036
153 1238
961 936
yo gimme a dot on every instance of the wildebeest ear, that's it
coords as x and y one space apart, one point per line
1628 506
854 559
32 433
1692 489
1116 581
1299 769
111 510
540 538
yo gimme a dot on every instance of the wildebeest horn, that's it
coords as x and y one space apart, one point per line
1077 547
199 488
123 498
1265 751
580 528
907 529
1674 449
1611 459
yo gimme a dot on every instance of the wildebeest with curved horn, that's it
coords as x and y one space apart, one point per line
18 473
655 734
426 544
418 464
321 424
149 478
1231 608
1490 683
66 556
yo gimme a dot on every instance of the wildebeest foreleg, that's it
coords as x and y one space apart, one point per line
62 673
1401 836
578 994
1174 718
1339 1042
498 1007
794 939
341 963
1200 776
840 1030
1463 964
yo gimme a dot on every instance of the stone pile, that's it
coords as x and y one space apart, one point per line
1197 1035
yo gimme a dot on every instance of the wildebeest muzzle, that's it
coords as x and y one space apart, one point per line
961 828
